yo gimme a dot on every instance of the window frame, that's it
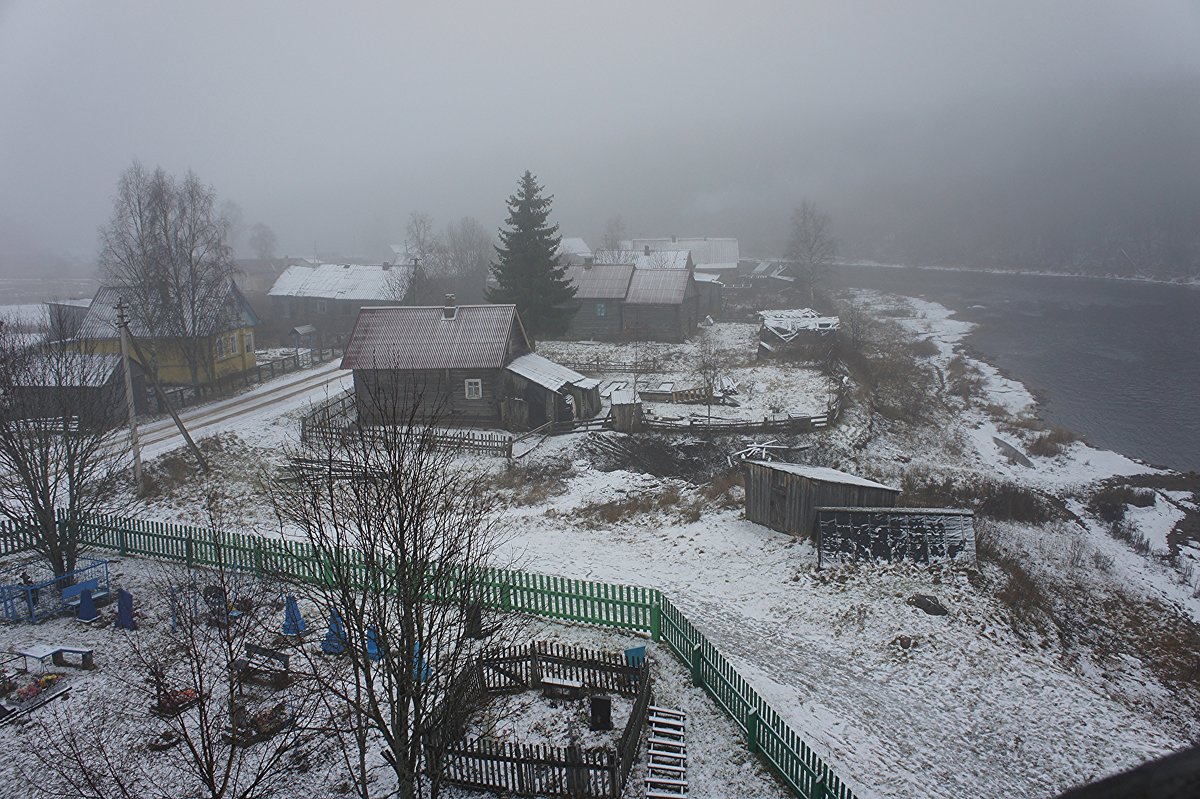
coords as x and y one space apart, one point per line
601 309
473 388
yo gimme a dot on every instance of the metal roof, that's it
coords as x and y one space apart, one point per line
546 372
600 281
663 259
574 246
67 369
412 337
226 309
344 281
705 250
658 286
823 474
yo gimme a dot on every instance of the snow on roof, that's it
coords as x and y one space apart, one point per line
790 322
823 474
547 373
658 286
623 396
83 303
574 246
226 309
412 337
600 281
705 250
702 277
344 281
68 369
662 259
719 267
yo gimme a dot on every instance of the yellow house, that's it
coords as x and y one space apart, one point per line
221 340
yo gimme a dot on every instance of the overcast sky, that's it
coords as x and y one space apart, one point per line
332 121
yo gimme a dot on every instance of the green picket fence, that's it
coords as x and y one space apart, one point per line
625 607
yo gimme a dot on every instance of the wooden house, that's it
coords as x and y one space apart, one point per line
661 304
86 389
600 291
329 296
786 496
217 341
462 366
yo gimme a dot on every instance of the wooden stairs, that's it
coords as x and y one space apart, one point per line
666 774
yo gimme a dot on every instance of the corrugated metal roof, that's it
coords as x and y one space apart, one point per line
792 321
574 246
600 281
411 337
663 259
704 250
658 286
67 369
344 281
823 474
225 310
545 372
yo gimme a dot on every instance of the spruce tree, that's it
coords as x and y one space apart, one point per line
527 269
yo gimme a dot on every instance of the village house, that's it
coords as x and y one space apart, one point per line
462 366
217 342
644 296
88 388
329 296
574 251
714 256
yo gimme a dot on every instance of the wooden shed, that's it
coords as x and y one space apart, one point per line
785 496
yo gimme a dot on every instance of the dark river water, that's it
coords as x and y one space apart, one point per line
1116 361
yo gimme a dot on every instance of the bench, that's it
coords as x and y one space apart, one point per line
555 688
667 782
70 594
264 665
56 655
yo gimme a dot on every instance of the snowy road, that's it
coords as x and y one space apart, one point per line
263 405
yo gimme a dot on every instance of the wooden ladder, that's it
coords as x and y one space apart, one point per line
666 774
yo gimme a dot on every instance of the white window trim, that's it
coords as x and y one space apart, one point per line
220 347
601 309
473 389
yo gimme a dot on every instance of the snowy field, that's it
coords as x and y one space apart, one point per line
899 703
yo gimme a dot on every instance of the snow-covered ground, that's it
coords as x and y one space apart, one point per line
899 703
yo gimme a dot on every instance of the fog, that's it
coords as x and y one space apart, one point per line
332 122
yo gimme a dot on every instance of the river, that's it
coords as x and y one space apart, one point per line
1116 361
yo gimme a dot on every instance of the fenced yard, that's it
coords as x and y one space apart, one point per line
184 396
626 607
544 769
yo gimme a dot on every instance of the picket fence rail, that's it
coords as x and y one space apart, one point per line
626 607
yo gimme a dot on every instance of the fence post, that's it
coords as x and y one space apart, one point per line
819 789
187 549
752 730
656 620
697 660
258 558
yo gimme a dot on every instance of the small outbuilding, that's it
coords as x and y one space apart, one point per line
786 496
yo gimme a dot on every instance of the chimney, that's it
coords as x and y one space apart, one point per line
647 249
449 310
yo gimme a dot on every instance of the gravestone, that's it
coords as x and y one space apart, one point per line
335 638
293 622
87 607
601 713
125 610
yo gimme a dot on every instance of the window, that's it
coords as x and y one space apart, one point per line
220 346
601 309
233 347
249 341
321 306
474 389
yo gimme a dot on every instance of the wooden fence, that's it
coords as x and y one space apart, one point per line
185 396
541 770
601 366
336 421
625 607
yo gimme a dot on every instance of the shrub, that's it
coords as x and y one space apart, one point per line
1109 503
924 348
994 499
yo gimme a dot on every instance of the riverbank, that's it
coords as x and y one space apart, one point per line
1189 282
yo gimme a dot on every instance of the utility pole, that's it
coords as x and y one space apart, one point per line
130 404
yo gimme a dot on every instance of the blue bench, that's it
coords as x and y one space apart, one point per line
70 595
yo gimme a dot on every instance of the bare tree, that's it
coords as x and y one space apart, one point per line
708 368
404 538
468 250
60 459
812 247
220 740
614 234
263 242
166 246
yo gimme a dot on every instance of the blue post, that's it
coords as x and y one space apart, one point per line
635 656
373 646
420 667
125 610
293 622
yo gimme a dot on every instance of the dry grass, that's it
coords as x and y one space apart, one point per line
1110 502
524 486
1051 443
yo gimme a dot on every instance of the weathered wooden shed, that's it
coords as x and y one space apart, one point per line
785 496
